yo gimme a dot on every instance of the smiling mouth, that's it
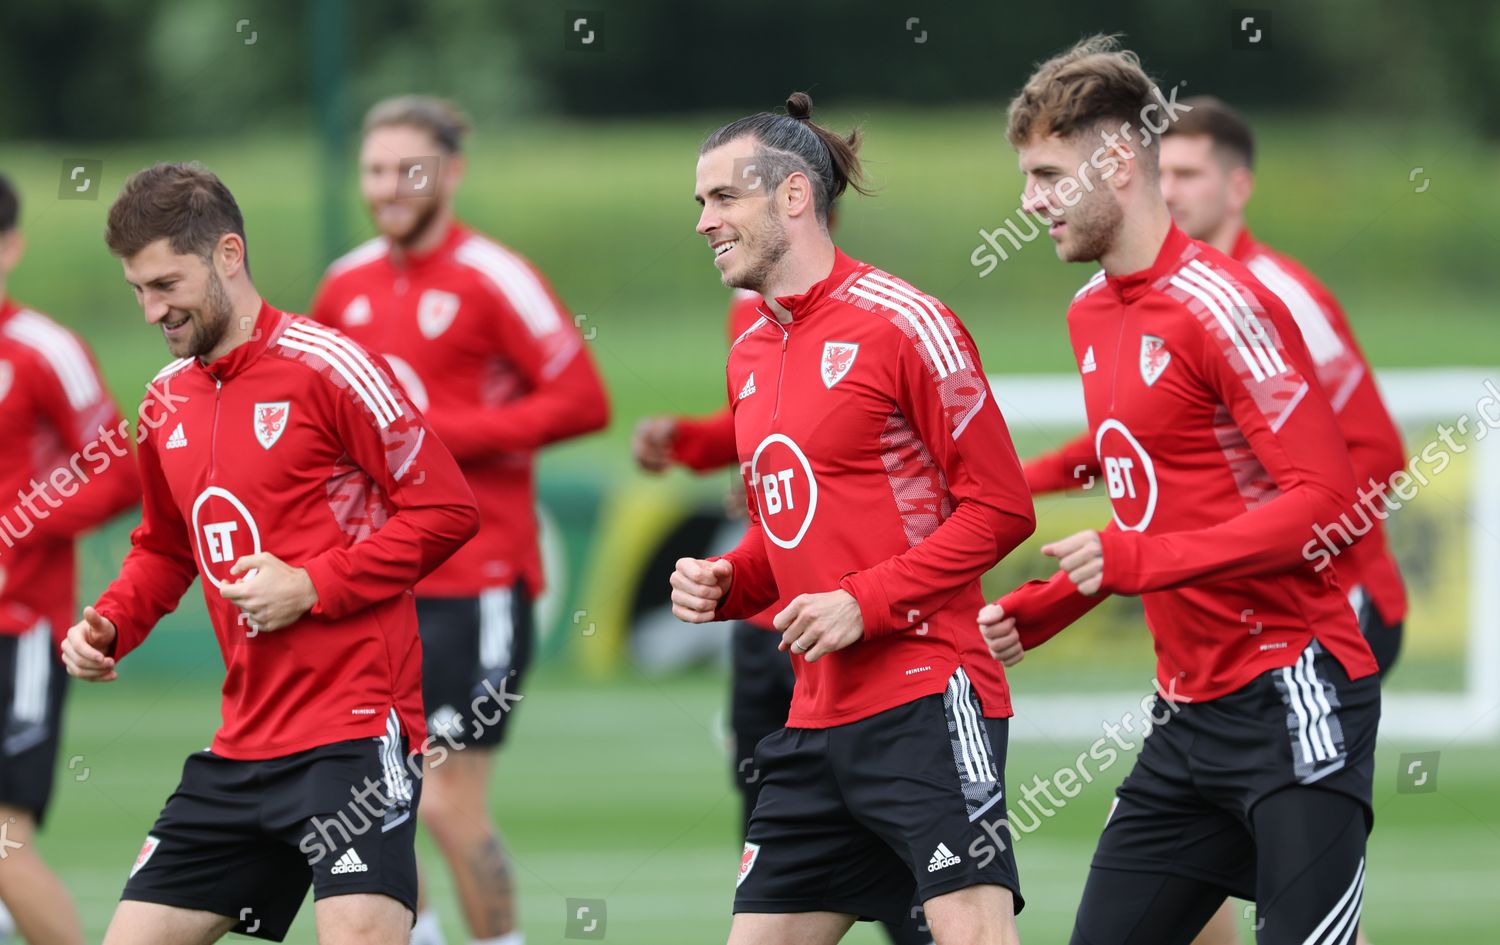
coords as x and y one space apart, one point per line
725 247
173 326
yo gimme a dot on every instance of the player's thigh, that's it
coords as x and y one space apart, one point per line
803 928
363 919
1139 907
1311 868
455 785
981 915
151 923
1223 928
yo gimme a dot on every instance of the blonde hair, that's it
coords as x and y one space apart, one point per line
1096 83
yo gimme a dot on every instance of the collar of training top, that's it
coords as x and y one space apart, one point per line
244 355
801 305
8 307
408 261
1131 286
1244 245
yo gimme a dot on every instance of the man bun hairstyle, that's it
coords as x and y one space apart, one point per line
794 143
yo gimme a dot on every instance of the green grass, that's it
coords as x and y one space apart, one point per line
621 791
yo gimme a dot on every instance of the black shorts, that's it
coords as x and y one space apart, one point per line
1384 638
32 686
761 682
246 838
1185 807
858 817
475 652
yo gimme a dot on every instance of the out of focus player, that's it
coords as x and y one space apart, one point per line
1220 454
882 484
282 464
67 464
491 356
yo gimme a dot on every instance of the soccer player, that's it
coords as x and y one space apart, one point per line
495 361
68 464
882 483
1220 454
283 465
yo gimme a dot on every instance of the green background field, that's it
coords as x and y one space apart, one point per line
618 789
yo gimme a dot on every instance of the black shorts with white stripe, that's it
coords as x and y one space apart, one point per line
246 838
33 685
475 653
1187 807
860 817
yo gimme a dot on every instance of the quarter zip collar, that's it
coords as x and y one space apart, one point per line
803 305
238 360
412 262
1132 286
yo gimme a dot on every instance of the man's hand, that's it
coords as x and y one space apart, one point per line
999 631
652 443
697 588
273 594
84 646
814 625
1081 556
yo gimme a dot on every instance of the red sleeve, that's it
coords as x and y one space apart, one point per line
93 473
954 415
1290 426
753 588
705 443
1375 448
160 566
1044 608
565 395
433 511
1074 465
321 309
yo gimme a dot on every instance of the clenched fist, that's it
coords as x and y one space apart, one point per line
698 586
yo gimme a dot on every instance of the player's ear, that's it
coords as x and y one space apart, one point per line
796 194
453 171
230 254
12 246
1241 185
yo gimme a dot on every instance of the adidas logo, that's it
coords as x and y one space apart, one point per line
749 387
350 863
178 439
942 858
1088 366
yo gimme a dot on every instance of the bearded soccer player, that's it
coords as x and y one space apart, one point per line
1221 455
283 465
494 360
68 464
882 484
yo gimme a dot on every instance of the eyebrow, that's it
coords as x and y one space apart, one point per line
714 192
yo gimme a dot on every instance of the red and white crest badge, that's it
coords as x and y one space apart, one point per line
1154 358
838 358
147 848
270 422
436 311
747 862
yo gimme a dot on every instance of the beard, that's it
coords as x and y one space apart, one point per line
212 323
770 236
419 226
1095 224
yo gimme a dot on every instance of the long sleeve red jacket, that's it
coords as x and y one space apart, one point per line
1220 454
1346 379
300 444
876 461
489 354
68 466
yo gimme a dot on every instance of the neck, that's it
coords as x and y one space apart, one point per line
429 239
245 305
1224 237
1141 236
799 271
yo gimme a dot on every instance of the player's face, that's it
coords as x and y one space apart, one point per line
739 219
1083 220
1195 184
183 296
404 178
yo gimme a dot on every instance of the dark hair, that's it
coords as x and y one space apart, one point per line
182 203
1094 83
1227 128
792 143
10 206
440 118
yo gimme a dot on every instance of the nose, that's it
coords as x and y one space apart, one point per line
1034 200
155 308
708 221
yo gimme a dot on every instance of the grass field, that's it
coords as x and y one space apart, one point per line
618 789
621 792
